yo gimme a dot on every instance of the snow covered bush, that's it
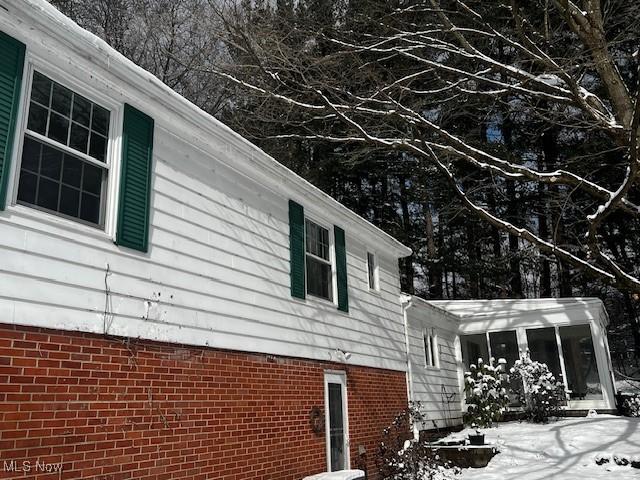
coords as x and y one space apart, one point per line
540 394
400 457
631 406
485 396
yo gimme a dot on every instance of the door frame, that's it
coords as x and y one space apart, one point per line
340 377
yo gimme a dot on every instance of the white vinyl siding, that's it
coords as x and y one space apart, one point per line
434 379
217 273
217 268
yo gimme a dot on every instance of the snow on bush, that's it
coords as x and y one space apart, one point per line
631 406
540 394
400 457
484 394
619 459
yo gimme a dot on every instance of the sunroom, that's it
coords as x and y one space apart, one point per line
569 335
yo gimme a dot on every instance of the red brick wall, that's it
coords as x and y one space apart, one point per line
146 410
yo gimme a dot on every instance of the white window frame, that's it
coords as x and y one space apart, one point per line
431 350
84 85
331 262
376 271
340 377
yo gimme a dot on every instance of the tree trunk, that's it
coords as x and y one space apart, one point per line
408 272
515 277
434 261
548 149
472 256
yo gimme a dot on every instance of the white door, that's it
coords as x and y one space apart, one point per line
336 421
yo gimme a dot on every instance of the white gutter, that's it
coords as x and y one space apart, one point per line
406 302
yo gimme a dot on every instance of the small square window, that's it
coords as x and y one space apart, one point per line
372 271
318 261
64 168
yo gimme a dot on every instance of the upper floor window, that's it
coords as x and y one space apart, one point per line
431 349
372 271
318 261
64 166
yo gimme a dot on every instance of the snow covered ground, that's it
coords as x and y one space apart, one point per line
562 450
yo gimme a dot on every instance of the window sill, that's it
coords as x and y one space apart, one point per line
50 221
322 300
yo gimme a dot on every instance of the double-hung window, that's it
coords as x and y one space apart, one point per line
318 261
64 168
71 147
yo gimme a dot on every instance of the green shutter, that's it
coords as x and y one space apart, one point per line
11 66
135 180
296 249
341 270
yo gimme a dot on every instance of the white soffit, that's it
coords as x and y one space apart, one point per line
544 311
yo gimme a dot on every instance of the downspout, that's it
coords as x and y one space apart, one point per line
407 303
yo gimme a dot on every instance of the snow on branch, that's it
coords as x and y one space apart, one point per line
408 72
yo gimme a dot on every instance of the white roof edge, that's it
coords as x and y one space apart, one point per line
414 299
51 20
547 304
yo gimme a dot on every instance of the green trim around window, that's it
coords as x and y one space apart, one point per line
296 249
341 269
135 180
11 67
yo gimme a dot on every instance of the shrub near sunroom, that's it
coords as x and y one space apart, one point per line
631 406
485 396
540 394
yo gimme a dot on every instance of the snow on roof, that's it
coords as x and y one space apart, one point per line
48 17
474 309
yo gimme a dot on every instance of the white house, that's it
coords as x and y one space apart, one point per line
445 336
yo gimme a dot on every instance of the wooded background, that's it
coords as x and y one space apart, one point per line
546 86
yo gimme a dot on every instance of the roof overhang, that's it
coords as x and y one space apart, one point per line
476 316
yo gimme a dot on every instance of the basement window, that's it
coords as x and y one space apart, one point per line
64 166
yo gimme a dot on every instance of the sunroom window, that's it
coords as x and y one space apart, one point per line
543 347
474 347
583 378
318 261
64 168
504 345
